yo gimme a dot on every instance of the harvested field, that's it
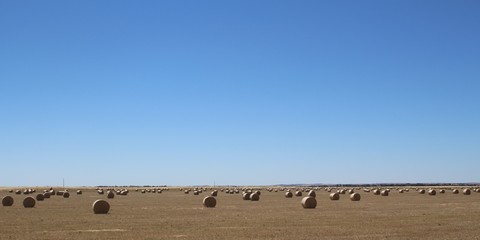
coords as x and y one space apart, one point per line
176 215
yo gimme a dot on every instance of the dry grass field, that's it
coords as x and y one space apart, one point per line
175 215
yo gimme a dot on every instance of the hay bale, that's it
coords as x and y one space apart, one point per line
400 191
209 202
350 191
214 193
455 191
355 197
298 193
46 195
384 193
246 196
100 191
311 193
334 196
376 192
7 201
110 194
18 192
254 197
40 197
101 207
29 202
466 191
421 191
441 191
309 202
432 192
288 194
195 192
66 194
79 192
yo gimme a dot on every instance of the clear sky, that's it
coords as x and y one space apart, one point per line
239 92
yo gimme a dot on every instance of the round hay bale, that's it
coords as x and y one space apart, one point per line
355 197
466 191
455 191
258 192
441 191
376 192
195 192
350 191
254 197
334 196
311 193
298 193
7 201
79 192
60 193
341 191
246 196
18 192
288 194
309 202
110 194
29 202
421 191
40 197
46 195
209 202
432 192
66 194
214 193
187 191
100 191
101 207
384 193
400 191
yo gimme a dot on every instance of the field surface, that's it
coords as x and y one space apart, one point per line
175 215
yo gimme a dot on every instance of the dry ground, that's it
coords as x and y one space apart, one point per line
175 215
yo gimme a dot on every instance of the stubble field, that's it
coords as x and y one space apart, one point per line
173 214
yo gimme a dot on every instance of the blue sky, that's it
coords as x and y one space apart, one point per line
239 92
